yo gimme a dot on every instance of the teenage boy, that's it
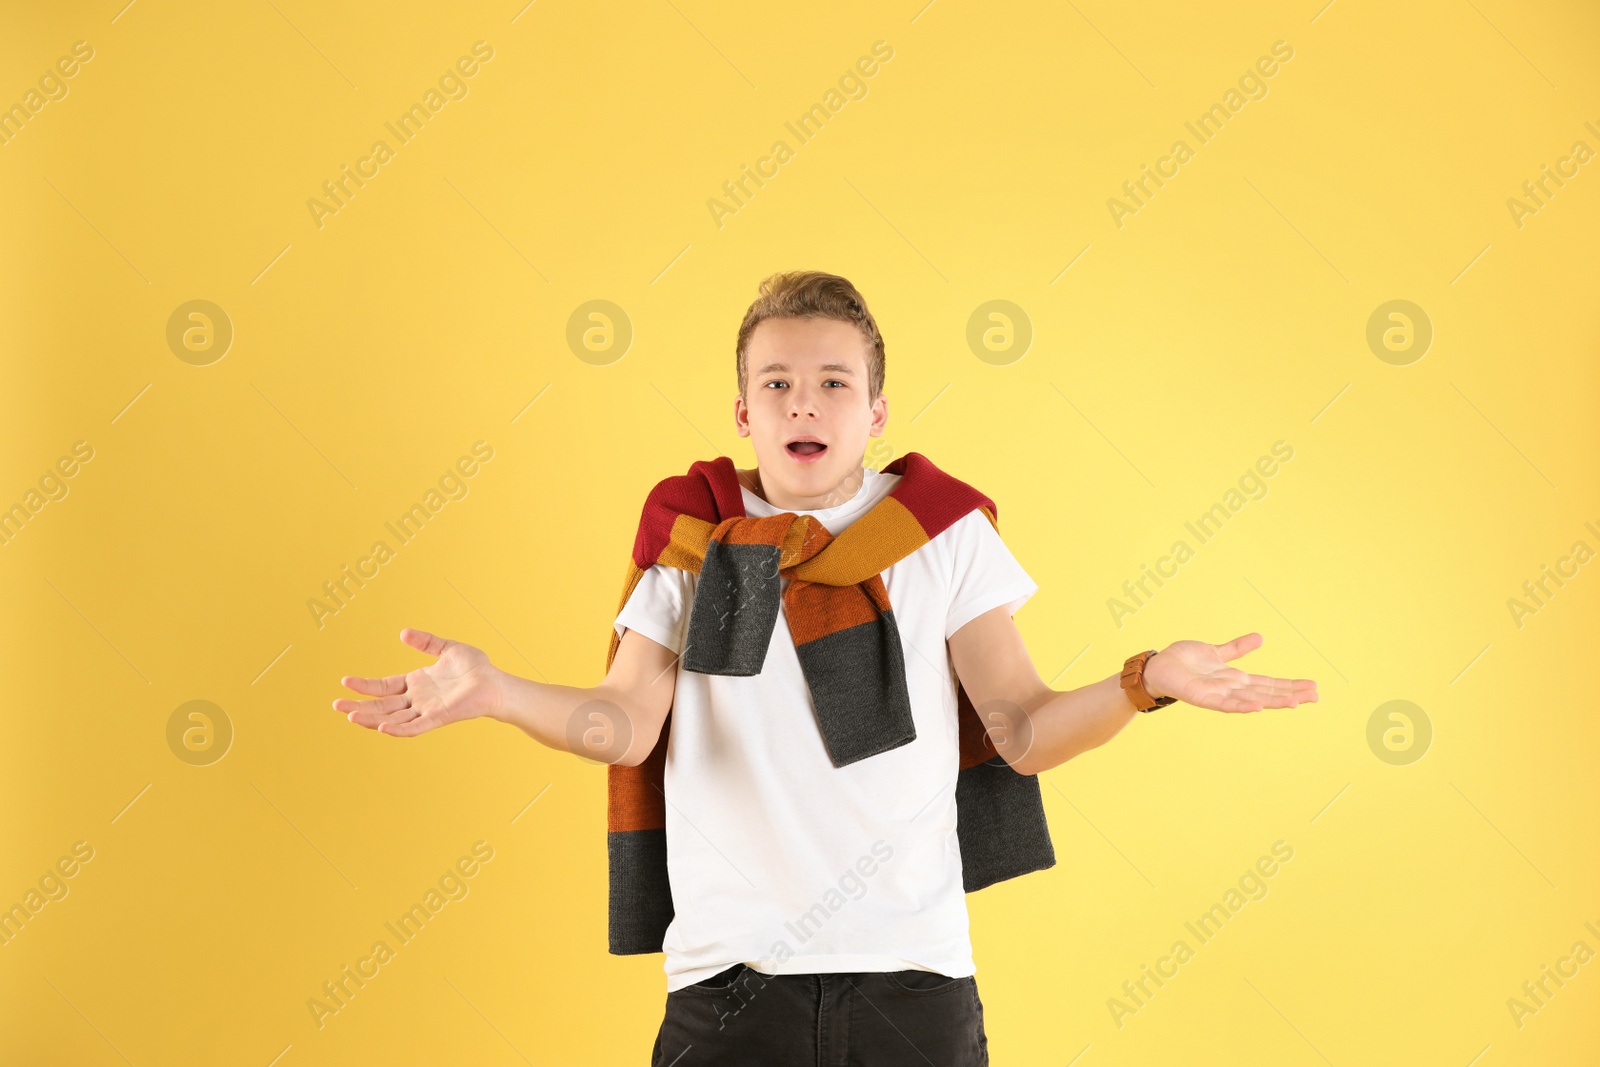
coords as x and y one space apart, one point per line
821 725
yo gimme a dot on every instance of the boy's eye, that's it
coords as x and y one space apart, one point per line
830 381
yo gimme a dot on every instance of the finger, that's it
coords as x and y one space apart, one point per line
1270 696
378 722
1239 646
385 704
1252 686
1304 686
423 641
377 687
370 710
419 724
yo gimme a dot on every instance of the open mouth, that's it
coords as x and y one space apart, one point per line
806 448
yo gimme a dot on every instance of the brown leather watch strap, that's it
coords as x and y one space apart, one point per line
1133 682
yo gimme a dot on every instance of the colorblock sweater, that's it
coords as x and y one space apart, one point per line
849 648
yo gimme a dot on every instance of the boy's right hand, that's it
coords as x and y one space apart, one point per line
461 685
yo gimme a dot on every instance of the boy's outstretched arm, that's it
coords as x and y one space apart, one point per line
1035 727
617 721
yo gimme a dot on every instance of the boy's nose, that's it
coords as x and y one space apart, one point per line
802 400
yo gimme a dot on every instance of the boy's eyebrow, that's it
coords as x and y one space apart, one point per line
838 368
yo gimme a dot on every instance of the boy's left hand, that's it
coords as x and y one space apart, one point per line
1197 673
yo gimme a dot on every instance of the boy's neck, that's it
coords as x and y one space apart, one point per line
839 494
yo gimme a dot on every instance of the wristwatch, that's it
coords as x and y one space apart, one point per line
1133 682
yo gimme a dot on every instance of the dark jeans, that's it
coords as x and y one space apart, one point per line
854 1019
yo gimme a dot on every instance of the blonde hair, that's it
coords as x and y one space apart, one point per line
813 294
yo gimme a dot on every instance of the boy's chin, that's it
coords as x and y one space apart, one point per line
786 468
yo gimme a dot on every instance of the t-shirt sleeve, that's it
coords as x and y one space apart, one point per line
986 574
658 605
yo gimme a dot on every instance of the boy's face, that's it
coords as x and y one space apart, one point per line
808 378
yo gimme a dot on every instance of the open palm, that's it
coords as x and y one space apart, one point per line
1196 672
462 684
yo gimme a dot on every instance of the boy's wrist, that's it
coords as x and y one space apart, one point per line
1136 683
500 708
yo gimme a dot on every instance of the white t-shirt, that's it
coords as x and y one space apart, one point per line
777 858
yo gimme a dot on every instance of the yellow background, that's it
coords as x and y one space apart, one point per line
368 354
